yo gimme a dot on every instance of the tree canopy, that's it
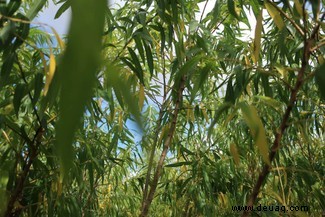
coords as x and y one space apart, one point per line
163 108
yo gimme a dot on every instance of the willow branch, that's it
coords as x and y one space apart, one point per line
284 123
17 193
147 202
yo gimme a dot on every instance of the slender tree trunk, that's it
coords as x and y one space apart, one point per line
147 202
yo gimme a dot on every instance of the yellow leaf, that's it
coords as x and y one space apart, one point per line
164 133
276 196
234 153
205 115
50 73
258 36
120 121
57 36
141 96
274 13
257 130
301 214
190 114
247 62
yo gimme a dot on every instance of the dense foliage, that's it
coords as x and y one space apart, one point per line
163 108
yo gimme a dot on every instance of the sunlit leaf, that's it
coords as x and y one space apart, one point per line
234 153
58 38
50 73
141 96
270 101
256 127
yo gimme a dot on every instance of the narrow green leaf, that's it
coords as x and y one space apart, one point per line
178 164
19 94
258 36
149 58
62 9
6 68
232 8
38 86
77 72
136 63
320 79
127 61
230 95
139 46
198 83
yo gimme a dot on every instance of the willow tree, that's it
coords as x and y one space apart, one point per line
163 108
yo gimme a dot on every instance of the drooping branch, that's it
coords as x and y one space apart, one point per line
147 202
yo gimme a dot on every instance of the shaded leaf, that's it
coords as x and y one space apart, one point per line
19 94
37 87
258 36
178 164
232 8
149 59
320 79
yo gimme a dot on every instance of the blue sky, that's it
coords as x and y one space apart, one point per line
61 25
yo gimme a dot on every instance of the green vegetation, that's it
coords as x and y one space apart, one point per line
160 108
